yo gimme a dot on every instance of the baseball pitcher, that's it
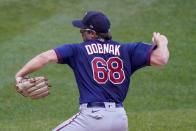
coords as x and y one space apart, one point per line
102 68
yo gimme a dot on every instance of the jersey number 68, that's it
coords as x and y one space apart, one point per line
111 70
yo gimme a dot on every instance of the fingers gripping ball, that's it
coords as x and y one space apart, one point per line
34 88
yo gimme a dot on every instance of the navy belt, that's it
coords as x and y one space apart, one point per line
101 104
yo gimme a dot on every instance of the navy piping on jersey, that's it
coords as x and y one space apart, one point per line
150 52
58 55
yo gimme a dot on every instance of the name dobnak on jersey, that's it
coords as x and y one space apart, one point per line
103 49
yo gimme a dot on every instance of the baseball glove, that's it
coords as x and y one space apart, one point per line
35 88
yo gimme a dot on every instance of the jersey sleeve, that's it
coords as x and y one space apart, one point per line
65 53
140 55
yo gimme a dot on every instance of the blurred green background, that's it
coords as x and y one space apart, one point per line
158 100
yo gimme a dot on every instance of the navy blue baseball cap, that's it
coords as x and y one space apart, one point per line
94 20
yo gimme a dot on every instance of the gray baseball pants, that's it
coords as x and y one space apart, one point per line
109 118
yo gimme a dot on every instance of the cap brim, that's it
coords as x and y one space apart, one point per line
78 24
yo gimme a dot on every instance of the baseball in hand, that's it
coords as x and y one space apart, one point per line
159 39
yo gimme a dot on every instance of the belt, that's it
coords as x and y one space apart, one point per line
103 105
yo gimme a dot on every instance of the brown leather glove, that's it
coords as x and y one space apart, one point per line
35 88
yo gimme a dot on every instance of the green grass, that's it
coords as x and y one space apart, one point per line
158 100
